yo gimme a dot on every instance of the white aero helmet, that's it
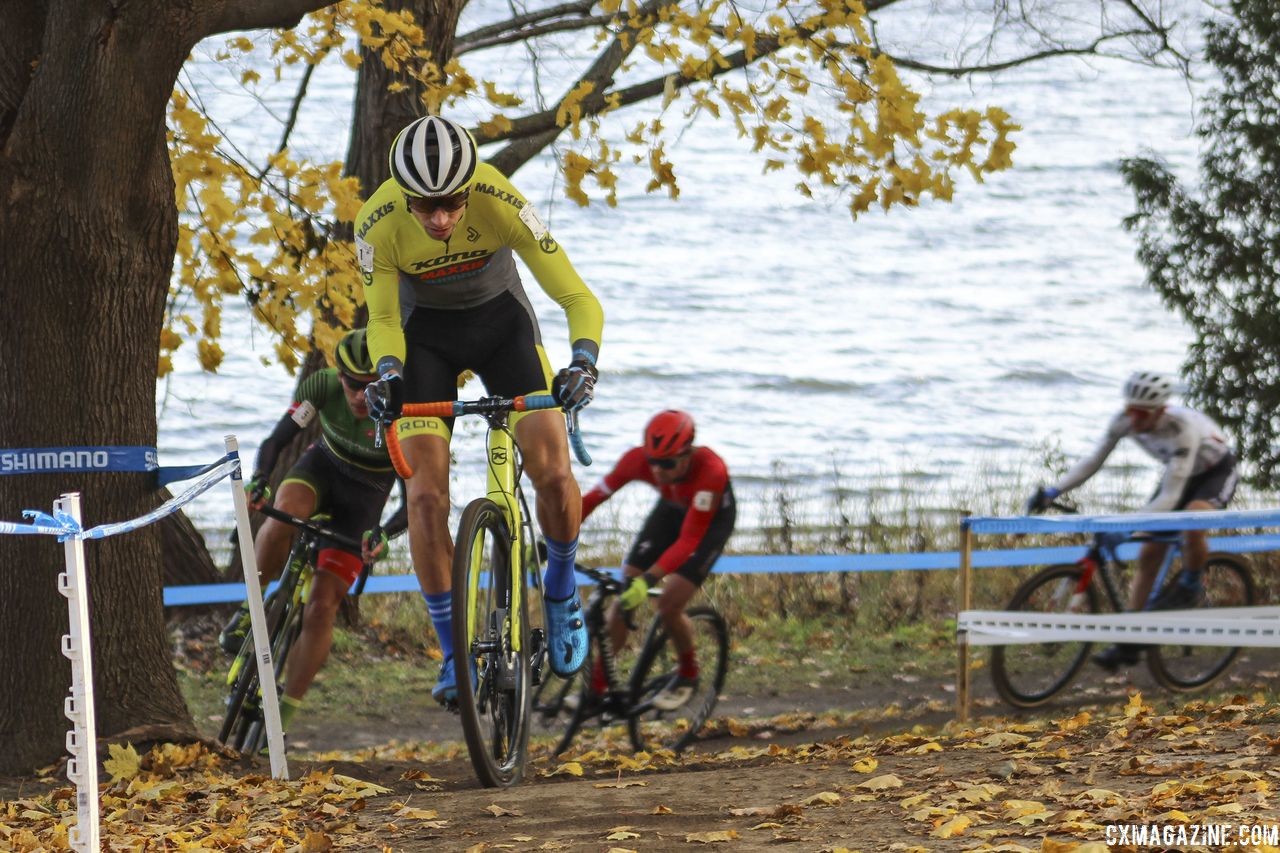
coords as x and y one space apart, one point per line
433 156
1147 389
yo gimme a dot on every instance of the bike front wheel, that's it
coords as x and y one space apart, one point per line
1227 583
491 645
657 669
244 725
1028 675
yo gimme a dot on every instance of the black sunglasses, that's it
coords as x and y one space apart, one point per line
450 203
665 464
355 383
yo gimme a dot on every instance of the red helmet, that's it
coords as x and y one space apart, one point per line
668 434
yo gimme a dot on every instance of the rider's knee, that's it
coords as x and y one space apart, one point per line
429 500
553 480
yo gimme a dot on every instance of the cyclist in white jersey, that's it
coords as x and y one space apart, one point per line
1200 474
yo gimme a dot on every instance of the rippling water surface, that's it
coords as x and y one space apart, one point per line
934 343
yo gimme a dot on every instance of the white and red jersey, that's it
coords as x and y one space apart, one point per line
1186 441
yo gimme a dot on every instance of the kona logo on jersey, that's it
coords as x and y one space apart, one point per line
449 259
472 234
374 217
548 245
498 456
500 195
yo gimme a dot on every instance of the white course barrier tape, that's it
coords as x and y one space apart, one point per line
1221 626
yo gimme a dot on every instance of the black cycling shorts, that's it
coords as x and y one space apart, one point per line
499 340
1215 486
352 497
662 528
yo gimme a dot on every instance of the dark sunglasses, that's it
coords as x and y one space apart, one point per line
666 464
426 206
355 383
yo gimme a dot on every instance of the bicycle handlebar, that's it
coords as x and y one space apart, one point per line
487 407
602 578
312 527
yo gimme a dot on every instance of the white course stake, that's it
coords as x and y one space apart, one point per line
82 739
258 617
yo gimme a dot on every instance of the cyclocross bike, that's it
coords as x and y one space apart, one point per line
243 726
494 558
572 702
1029 675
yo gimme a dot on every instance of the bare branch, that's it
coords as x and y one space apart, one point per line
581 8
231 15
470 43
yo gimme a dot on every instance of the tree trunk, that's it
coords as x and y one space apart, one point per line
87 210
380 114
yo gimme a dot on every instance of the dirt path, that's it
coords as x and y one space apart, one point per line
782 772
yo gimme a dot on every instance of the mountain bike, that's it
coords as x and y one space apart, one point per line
1028 675
572 702
243 726
494 558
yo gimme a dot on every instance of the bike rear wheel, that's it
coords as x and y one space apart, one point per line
1227 583
491 645
1028 675
657 668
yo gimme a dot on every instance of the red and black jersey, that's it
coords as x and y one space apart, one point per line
701 493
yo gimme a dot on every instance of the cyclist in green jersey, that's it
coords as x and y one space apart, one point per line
435 244
343 475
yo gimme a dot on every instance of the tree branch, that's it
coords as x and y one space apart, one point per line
230 15
599 75
519 22
471 43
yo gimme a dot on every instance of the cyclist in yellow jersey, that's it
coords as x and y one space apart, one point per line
434 244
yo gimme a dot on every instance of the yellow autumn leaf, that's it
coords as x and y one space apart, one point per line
123 762
956 826
621 835
865 765
723 835
569 768
880 783
824 798
417 814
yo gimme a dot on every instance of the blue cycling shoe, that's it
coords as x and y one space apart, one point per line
567 639
446 689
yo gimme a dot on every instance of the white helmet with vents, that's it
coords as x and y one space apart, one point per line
433 157
1148 390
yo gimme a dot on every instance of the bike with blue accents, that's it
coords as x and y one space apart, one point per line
494 559
244 725
1030 674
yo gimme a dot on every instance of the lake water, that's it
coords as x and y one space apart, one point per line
922 348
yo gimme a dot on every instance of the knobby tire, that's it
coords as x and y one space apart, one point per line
1028 675
1228 582
656 667
494 705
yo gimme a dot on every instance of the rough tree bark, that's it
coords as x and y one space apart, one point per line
86 204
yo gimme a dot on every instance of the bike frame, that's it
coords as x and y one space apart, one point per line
1096 561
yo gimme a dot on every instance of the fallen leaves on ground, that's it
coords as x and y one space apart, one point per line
1001 786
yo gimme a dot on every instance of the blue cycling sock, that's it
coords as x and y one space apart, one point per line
440 606
559 583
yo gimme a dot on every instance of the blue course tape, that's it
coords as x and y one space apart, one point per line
114 458
1231 519
181 596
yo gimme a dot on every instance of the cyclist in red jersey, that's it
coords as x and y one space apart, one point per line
680 541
